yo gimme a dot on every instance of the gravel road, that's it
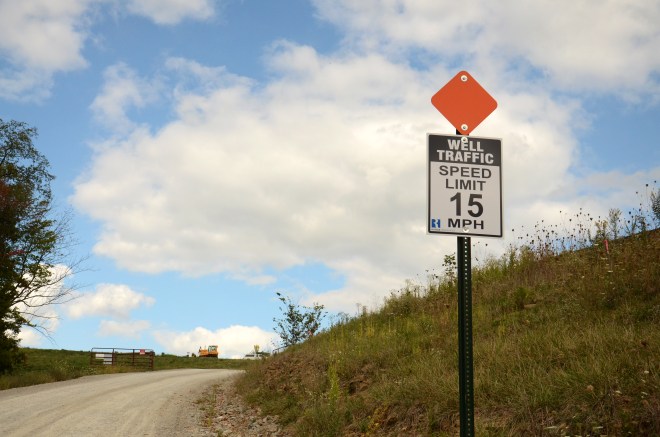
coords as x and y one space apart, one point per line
130 404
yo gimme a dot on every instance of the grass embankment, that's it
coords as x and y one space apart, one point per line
46 365
566 342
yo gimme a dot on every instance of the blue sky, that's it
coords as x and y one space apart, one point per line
215 152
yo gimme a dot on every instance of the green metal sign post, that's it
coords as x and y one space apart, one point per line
465 367
464 198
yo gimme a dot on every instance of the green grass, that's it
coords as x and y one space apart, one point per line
48 365
164 362
43 366
566 342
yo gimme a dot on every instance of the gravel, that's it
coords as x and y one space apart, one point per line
232 417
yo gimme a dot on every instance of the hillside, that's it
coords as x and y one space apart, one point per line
566 342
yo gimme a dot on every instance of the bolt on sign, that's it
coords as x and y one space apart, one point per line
464 185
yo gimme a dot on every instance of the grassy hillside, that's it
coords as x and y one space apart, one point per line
566 342
47 365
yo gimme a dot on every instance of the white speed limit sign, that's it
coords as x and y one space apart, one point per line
464 185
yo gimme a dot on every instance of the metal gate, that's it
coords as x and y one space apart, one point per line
135 358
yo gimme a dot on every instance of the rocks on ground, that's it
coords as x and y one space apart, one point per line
234 418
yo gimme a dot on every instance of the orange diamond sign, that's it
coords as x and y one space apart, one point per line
464 102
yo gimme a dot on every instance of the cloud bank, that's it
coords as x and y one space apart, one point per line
233 342
323 162
42 38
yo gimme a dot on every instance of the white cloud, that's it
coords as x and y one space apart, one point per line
324 164
41 308
606 47
193 77
123 90
27 85
114 300
39 38
30 337
173 11
255 280
233 342
129 329
48 324
42 33
39 300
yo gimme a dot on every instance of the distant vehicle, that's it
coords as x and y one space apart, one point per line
210 352
256 355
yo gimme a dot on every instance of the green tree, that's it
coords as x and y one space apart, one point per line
298 322
33 244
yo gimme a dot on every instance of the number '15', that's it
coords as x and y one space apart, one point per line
473 201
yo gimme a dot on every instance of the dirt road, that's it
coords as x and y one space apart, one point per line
129 404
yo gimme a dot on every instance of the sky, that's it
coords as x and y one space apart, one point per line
215 152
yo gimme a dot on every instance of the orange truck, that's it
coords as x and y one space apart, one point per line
210 352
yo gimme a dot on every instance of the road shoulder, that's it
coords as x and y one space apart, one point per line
223 412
